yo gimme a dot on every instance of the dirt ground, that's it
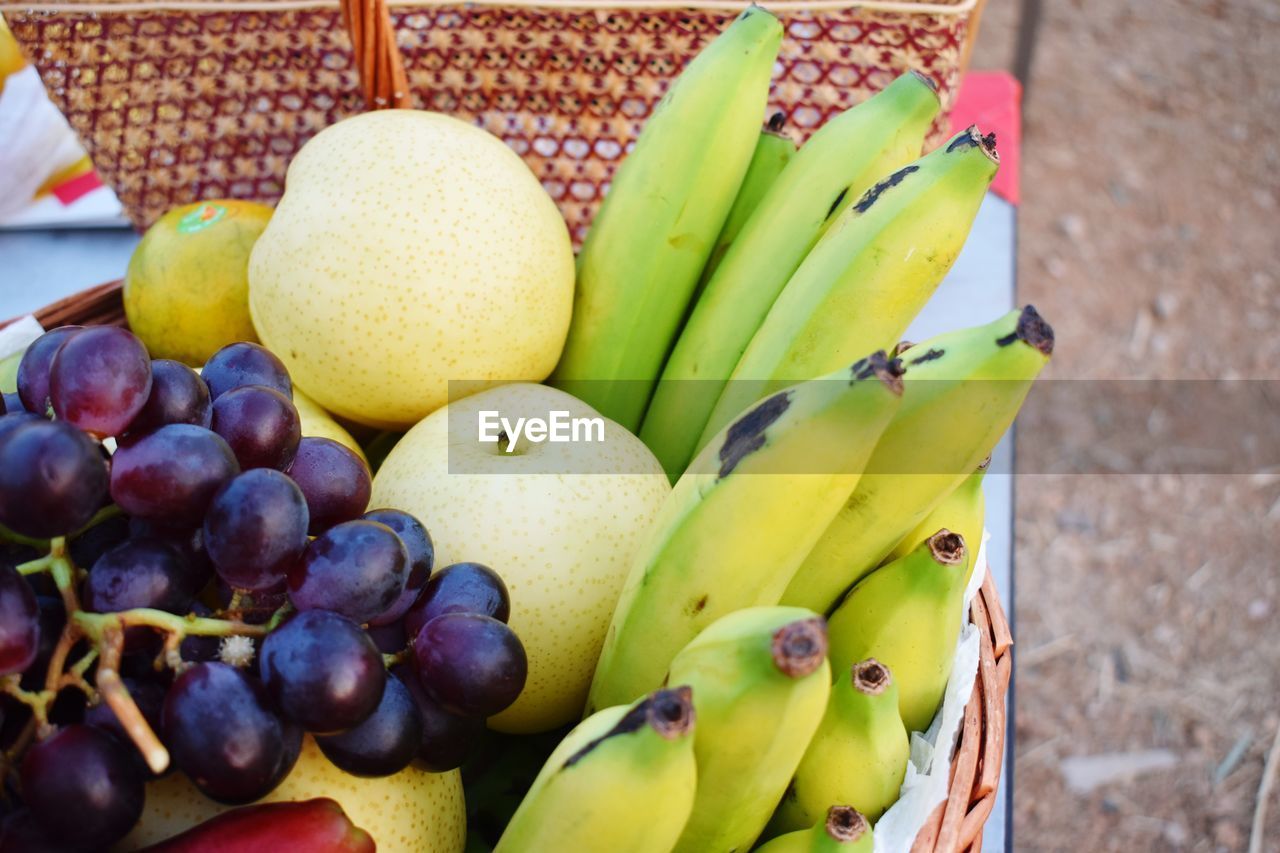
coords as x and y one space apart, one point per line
1148 605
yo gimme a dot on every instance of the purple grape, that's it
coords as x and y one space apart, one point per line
221 732
473 664
448 740
256 528
86 548
82 787
259 424
13 403
321 670
139 573
33 370
335 481
52 478
171 475
19 622
19 833
178 396
460 588
52 617
188 542
357 568
422 555
383 744
240 364
389 638
100 379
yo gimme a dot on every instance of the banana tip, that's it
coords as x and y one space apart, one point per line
670 712
845 824
800 647
888 370
776 122
971 137
1033 330
947 548
870 677
925 79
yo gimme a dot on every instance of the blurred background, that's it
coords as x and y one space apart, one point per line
1147 604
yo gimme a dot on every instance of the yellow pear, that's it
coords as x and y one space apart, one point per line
559 521
315 421
410 249
412 811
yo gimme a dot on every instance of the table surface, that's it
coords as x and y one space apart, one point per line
39 267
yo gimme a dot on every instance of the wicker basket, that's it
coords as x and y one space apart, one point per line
956 826
183 100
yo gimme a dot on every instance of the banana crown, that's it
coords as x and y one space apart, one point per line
798 649
845 824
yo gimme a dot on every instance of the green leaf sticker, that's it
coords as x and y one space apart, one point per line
201 218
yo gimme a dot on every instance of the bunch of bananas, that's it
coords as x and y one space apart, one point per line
793 613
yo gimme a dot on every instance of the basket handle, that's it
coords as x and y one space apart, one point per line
377 56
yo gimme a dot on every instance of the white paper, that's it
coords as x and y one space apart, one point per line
929 771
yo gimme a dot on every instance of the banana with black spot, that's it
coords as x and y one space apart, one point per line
742 517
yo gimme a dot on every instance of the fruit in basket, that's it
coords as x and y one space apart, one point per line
659 222
622 780
907 615
318 824
843 159
729 539
961 393
760 681
842 830
52 477
964 511
412 811
558 521
186 292
868 276
859 753
382 276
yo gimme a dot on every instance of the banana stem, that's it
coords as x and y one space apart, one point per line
126 710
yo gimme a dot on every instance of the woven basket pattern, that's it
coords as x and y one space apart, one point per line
179 105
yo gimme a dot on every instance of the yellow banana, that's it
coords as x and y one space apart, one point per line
621 782
858 755
668 201
964 511
843 159
773 151
760 682
869 275
741 518
842 830
907 615
962 390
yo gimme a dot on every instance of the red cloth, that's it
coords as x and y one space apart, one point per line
81 185
993 101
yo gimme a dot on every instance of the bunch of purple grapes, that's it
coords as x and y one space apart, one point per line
223 509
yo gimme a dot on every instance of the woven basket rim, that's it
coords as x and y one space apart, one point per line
900 7
956 824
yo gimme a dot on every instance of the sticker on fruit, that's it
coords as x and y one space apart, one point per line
452 471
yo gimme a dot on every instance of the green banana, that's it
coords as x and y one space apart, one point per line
760 682
858 755
843 830
622 780
844 158
907 615
869 275
741 518
963 389
773 151
668 201
964 511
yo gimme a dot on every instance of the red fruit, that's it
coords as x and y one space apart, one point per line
313 826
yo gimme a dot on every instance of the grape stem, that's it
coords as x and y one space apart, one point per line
34 567
396 659
113 692
96 625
